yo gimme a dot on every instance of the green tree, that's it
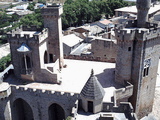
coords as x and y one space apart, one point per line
15 17
4 62
68 118
4 19
42 1
32 19
30 7
77 12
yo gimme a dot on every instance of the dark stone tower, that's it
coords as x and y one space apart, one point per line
52 21
137 58
37 55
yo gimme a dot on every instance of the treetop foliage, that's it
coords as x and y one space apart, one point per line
78 12
32 19
4 62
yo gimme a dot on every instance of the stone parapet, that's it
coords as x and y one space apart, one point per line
90 58
123 92
44 91
133 24
129 31
124 107
37 37
52 11
5 90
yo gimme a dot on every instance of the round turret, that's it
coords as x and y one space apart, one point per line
143 7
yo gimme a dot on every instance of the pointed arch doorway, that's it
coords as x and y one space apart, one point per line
22 110
56 112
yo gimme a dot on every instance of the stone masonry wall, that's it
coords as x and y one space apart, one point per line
145 46
105 49
5 110
152 48
89 58
40 100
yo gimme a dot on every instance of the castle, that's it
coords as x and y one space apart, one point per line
47 86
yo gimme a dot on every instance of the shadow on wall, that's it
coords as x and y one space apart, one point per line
107 78
22 110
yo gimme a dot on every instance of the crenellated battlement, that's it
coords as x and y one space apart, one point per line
123 92
128 31
133 24
43 91
21 35
52 11
125 34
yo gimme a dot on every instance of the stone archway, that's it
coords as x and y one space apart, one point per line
22 110
45 57
56 112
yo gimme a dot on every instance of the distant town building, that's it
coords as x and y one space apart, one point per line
133 10
70 42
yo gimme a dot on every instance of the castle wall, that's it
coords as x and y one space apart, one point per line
105 49
122 94
124 65
5 111
5 92
124 107
148 82
40 100
125 49
89 58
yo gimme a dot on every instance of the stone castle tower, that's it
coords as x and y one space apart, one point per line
38 54
52 21
138 57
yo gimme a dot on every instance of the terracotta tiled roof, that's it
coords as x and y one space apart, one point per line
105 21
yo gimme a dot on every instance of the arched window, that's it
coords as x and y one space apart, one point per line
56 112
22 110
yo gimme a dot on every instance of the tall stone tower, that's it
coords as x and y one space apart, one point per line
52 21
37 55
137 59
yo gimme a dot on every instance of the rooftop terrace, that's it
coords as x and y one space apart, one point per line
76 75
